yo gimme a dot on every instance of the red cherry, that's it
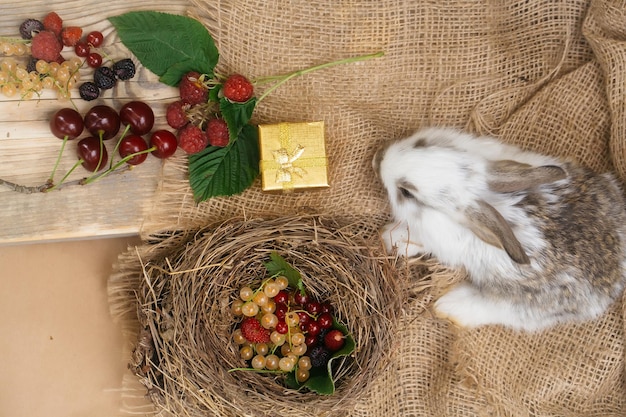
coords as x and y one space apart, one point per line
92 152
310 340
326 307
164 142
139 116
67 122
304 318
133 144
102 120
334 340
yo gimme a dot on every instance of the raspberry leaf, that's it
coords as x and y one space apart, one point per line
168 45
279 266
230 170
236 114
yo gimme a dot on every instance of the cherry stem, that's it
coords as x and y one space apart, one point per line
121 162
119 142
67 174
56 164
286 77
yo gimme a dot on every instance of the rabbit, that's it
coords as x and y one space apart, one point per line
542 239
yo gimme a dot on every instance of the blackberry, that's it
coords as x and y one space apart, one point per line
104 78
32 65
89 91
29 26
319 356
124 69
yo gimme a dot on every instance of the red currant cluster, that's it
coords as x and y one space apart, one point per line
284 330
196 115
103 123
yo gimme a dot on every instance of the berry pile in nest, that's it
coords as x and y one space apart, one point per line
185 352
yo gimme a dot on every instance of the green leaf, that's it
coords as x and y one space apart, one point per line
279 266
168 45
236 115
225 171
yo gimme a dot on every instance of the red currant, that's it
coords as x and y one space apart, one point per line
94 60
95 38
313 328
313 307
282 297
282 327
325 320
301 298
82 49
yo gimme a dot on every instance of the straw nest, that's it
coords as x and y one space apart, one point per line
184 351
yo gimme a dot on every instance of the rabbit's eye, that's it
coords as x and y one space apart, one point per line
406 193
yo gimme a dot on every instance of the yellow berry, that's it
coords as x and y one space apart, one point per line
302 375
238 337
270 307
258 362
271 362
299 350
286 364
262 348
250 309
235 308
269 320
246 352
297 339
42 66
282 282
271 289
304 363
246 293
260 298
278 339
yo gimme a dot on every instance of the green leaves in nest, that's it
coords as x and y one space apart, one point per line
321 379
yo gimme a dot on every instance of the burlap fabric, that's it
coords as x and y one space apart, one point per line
547 75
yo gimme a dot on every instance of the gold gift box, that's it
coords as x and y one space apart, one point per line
293 156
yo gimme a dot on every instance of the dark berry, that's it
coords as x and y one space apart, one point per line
124 69
319 356
104 77
30 27
89 91
32 65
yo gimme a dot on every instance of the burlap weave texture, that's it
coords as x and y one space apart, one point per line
546 75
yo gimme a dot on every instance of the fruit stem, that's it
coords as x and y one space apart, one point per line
76 165
117 145
119 163
286 77
56 164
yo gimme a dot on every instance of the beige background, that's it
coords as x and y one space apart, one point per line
60 352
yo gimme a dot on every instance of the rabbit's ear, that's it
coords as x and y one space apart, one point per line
511 176
490 227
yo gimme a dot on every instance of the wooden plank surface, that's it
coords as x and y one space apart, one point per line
113 206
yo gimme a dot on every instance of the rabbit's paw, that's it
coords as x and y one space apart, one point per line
397 236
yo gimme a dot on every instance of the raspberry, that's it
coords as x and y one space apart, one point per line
53 23
104 78
30 27
238 88
217 132
176 114
192 90
124 69
253 331
70 35
192 139
88 91
45 45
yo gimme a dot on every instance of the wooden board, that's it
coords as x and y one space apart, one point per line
113 206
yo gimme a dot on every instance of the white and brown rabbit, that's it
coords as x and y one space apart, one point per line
542 239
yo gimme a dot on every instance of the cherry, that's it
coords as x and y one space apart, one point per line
310 340
95 38
66 123
164 142
282 327
82 49
102 121
325 320
139 116
92 153
133 144
304 318
334 340
94 59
